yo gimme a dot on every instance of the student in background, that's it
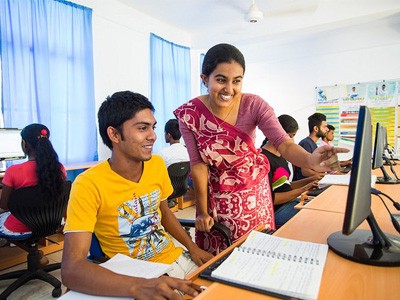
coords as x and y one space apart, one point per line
329 136
229 172
317 127
176 152
328 140
123 201
285 193
42 169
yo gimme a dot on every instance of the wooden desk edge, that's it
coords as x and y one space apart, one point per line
83 165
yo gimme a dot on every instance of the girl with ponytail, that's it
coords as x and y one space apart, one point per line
42 168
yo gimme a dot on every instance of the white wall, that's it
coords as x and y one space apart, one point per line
284 72
121 39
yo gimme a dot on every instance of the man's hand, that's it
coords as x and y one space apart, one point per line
200 256
163 288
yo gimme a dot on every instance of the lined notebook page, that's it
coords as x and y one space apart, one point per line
274 264
124 265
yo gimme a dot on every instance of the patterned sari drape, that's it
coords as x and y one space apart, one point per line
239 193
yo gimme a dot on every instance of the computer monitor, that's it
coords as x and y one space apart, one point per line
372 246
10 144
385 138
379 157
388 150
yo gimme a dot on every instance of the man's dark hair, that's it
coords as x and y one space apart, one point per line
117 109
331 127
315 120
172 127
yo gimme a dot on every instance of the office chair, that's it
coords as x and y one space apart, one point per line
223 230
44 218
178 173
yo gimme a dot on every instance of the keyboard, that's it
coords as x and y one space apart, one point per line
315 192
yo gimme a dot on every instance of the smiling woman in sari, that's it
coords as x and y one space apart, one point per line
230 174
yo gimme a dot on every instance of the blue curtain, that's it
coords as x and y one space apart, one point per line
47 73
170 82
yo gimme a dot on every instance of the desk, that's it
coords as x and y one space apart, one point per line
11 256
342 279
334 200
81 166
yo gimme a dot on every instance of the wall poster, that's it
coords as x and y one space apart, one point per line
341 103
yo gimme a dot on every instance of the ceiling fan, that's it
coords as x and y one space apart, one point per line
275 8
254 14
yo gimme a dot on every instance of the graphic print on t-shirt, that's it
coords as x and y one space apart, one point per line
140 226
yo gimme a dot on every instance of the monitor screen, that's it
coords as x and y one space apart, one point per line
364 246
10 144
385 138
379 157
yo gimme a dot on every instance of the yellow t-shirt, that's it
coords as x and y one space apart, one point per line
125 215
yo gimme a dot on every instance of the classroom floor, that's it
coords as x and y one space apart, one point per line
39 290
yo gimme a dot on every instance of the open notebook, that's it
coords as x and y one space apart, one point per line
124 265
275 266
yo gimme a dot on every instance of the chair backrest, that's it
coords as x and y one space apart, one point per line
42 216
178 173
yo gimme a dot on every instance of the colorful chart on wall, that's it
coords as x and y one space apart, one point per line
341 103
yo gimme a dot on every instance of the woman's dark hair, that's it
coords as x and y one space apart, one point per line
221 53
117 109
48 169
288 123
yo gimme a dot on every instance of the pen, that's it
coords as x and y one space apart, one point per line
199 288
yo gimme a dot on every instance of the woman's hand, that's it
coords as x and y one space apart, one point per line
325 159
204 222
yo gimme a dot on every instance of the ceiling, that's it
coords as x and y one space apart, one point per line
213 21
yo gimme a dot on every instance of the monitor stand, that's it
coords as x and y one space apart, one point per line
386 179
371 247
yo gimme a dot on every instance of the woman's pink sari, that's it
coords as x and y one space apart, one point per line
239 193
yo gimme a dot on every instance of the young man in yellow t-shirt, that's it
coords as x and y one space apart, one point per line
123 201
